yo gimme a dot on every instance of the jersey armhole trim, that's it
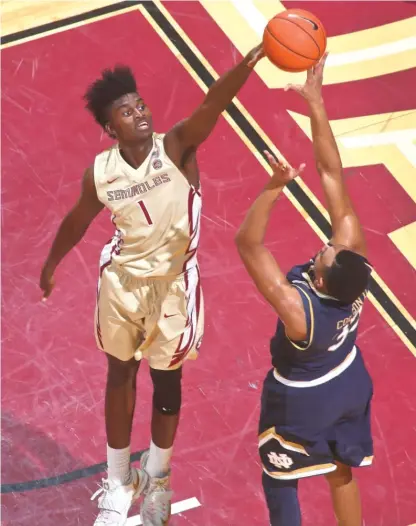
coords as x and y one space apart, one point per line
312 324
95 173
95 166
197 190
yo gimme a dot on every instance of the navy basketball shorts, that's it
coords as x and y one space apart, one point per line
303 431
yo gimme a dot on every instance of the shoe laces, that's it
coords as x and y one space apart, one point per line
105 502
158 497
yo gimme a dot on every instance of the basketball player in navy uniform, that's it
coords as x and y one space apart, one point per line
315 410
149 301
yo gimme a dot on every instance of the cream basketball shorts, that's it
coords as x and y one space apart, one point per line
159 319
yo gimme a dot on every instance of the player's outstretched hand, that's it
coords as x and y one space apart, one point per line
282 173
255 55
312 88
47 282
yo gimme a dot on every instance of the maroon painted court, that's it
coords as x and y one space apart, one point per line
52 375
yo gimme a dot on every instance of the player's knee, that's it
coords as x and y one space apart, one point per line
341 476
167 391
120 372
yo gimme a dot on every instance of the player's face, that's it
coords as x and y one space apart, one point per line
323 260
130 119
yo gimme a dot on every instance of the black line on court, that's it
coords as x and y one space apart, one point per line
245 126
19 487
38 30
294 187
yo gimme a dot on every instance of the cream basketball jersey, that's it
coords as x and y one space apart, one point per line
155 210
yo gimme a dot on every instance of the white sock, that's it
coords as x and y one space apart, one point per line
119 470
158 462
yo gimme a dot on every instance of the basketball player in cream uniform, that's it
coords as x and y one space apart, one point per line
152 306
149 299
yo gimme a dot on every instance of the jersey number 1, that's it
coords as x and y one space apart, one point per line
145 212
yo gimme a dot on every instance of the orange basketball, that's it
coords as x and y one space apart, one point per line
294 40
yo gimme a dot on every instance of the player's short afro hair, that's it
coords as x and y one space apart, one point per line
112 85
347 278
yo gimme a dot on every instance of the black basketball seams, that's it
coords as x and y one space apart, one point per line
313 24
303 29
288 48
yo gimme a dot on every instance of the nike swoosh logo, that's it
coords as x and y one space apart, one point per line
314 25
169 315
136 487
112 180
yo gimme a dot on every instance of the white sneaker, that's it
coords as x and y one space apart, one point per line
115 501
156 506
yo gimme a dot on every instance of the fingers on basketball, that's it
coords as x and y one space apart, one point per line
321 63
319 68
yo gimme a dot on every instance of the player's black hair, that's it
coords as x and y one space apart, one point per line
347 278
112 85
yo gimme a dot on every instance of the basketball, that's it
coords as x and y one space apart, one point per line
294 40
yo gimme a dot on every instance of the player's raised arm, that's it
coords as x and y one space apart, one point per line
71 230
260 263
189 133
346 226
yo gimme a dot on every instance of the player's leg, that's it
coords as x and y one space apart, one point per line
120 399
345 496
290 447
175 335
167 401
117 336
351 441
282 501
352 447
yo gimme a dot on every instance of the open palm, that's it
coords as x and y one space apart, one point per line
282 173
312 88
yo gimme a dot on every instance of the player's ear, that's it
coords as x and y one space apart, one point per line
318 282
110 131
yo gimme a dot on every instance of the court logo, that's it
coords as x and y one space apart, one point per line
280 461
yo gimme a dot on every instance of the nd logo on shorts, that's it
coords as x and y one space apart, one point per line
284 459
280 461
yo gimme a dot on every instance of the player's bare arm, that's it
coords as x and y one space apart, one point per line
185 137
346 226
71 230
260 263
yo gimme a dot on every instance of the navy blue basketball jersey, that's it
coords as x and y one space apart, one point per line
332 331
